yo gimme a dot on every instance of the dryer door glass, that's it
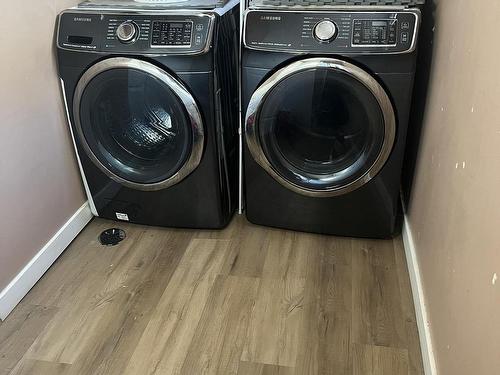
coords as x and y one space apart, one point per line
135 127
321 130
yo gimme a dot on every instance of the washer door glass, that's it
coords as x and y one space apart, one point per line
135 127
321 129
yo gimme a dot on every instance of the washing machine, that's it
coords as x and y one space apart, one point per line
150 89
326 96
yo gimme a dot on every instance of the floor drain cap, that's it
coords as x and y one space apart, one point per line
112 237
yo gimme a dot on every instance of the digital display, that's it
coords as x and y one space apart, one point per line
374 32
171 34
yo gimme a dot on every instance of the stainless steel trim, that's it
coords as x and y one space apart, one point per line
173 52
93 208
416 12
260 95
177 11
226 8
219 11
178 88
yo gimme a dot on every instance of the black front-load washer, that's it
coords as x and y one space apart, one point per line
151 96
326 97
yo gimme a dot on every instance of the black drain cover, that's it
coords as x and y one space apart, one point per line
112 237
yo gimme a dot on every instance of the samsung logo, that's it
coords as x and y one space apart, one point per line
270 18
82 19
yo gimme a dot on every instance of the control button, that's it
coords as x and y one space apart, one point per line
199 27
325 31
197 39
405 26
405 37
127 32
392 38
173 34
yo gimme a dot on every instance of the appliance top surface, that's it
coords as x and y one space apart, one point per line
153 4
333 3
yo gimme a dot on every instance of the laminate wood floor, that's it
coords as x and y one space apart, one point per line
247 300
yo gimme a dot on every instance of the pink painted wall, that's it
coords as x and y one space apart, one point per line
40 187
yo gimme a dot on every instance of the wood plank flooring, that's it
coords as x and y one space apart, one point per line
247 300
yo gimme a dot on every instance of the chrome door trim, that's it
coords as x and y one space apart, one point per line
177 87
259 96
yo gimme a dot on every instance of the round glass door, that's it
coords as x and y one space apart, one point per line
321 127
138 124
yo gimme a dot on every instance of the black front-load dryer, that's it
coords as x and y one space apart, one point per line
326 97
151 97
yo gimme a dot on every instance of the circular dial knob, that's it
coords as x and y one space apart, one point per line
325 31
127 32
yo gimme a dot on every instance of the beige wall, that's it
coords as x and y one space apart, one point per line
40 188
454 211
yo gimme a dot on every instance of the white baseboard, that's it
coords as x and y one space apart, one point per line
419 301
34 270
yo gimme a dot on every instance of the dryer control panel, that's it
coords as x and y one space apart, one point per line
347 32
169 33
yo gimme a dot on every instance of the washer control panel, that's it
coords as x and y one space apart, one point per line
349 32
174 33
178 34
375 32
